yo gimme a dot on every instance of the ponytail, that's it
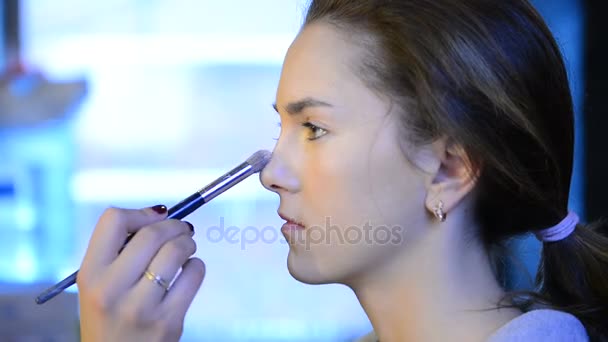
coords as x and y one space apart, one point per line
573 277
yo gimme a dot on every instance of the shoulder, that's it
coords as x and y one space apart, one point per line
542 325
371 337
537 325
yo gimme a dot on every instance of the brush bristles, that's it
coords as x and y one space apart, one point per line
259 159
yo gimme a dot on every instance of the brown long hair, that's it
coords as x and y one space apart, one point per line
489 75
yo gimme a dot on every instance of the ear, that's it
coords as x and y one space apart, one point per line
452 180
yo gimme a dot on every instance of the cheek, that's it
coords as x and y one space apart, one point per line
328 183
354 184
340 181
398 193
397 187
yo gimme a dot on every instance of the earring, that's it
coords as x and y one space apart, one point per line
438 210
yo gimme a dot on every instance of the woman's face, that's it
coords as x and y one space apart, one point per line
338 167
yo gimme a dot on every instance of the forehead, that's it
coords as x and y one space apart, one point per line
321 60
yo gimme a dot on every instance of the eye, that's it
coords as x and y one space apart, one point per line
279 125
316 131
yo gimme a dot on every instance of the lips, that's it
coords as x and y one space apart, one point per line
291 221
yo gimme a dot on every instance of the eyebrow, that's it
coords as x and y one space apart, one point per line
295 108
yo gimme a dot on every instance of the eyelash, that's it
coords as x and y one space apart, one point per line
312 127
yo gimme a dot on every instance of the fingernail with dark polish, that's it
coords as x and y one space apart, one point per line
190 225
160 209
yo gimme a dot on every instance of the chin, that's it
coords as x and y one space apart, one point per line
306 269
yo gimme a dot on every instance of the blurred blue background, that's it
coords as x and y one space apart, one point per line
177 93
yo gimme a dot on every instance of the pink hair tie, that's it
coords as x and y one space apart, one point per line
560 231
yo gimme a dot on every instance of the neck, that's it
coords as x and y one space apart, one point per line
442 289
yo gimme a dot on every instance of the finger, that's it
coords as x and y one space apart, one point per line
133 261
112 229
165 264
185 287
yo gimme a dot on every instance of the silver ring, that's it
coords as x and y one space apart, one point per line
156 279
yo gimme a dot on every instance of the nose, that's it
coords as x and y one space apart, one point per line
278 175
